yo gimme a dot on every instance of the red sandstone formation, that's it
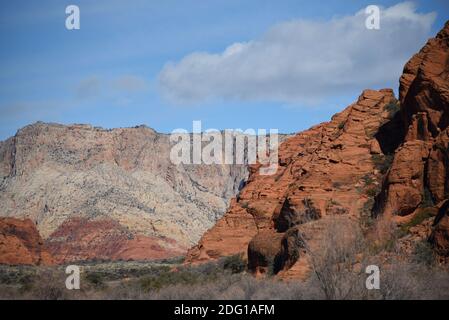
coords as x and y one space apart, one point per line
20 243
336 168
79 239
420 164
326 171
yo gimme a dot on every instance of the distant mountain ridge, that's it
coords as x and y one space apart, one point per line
110 194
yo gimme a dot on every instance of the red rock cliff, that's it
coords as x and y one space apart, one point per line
419 175
323 172
336 169
420 164
20 243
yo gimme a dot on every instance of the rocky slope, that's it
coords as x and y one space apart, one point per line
379 157
20 243
110 194
323 172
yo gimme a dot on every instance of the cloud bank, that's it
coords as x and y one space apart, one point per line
302 61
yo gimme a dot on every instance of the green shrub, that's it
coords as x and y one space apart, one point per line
392 107
372 192
368 179
234 263
244 205
184 277
174 260
95 278
421 215
188 275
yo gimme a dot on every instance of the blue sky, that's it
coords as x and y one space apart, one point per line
166 63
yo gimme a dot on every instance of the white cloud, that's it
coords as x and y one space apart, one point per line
303 61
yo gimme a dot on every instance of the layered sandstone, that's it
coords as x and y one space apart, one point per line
323 172
81 239
420 172
20 243
110 194
335 169
420 167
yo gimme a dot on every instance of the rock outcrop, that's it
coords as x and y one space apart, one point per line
329 170
110 194
82 239
379 156
420 167
419 176
20 243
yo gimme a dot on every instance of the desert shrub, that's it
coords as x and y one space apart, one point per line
333 265
184 277
400 279
397 283
174 260
311 212
372 192
421 215
341 125
96 279
244 204
424 253
382 236
48 284
189 275
234 263
392 107
368 179
382 162
366 217
404 280
20 275
117 270
240 287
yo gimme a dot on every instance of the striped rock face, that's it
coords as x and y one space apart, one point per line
110 194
